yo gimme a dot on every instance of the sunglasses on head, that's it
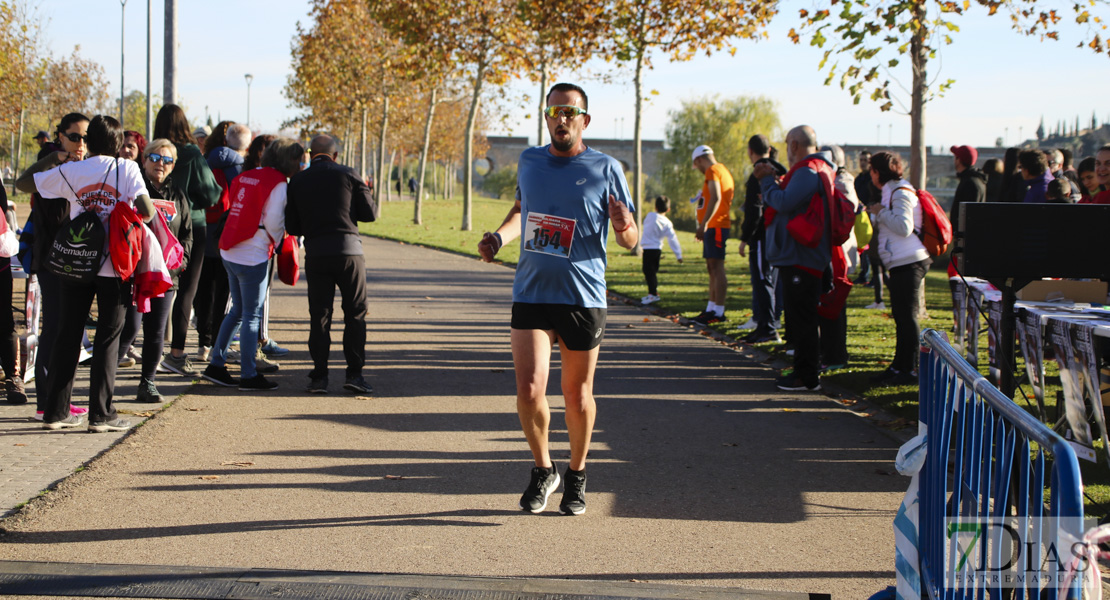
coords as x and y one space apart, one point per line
158 158
76 137
562 110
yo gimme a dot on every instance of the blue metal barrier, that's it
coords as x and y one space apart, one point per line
986 461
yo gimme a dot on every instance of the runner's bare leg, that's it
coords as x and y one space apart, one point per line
578 392
532 363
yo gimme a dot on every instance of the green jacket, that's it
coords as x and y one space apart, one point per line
193 178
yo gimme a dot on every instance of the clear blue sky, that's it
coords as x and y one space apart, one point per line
1003 80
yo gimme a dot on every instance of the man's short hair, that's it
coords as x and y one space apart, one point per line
759 144
238 137
662 204
567 88
1033 161
323 144
1059 189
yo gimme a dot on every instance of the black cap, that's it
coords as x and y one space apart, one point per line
41 134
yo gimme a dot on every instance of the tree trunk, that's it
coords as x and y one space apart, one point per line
637 151
362 144
468 159
19 145
382 176
919 57
416 218
543 101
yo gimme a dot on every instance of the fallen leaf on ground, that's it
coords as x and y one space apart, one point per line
394 477
191 409
647 320
209 477
824 418
733 445
19 444
630 326
789 410
237 463
428 298
363 398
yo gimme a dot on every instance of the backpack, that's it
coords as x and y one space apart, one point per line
289 261
125 240
78 250
808 227
214 213
936 230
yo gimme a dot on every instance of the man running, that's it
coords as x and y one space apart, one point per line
567 193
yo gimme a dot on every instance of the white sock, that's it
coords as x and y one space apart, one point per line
719 310
711 307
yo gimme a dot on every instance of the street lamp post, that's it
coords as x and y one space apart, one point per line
249 79
122 54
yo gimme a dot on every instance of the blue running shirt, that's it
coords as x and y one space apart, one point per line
565 226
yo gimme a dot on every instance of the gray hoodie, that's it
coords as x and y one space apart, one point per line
782 250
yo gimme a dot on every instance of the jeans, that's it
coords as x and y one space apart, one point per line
247 286
764 299
154 332
113 296
324 273
801 291
905 305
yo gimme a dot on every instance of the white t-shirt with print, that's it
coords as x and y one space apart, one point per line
96 183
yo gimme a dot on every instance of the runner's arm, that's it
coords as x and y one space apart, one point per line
712 203
624 223
508 231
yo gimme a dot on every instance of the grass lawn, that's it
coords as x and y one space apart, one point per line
683 290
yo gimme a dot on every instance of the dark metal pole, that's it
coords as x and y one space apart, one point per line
122 58
149 73
169 69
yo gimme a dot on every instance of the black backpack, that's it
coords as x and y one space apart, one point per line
78 251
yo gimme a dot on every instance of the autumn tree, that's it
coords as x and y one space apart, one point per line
481 40
871 37
678 29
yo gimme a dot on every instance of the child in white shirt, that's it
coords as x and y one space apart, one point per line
657 227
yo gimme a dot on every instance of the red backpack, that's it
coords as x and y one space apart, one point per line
213 213
125 240
289 261
808 227
936 230
249 192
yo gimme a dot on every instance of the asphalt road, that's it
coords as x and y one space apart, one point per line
701 472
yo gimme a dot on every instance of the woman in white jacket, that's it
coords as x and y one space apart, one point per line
898 219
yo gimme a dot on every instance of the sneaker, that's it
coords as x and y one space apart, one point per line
750 324
73 410
318 385
218 375
791 383
762 336
707 318
358 385
876 306
67 423
232 357
203 352
14 388
126 362
106 426
257 383
574 493
147 392
263 364
270 348
544 483
180 365
649 299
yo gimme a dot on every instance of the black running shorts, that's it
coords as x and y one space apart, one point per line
578 327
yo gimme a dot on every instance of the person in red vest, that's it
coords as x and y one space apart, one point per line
801 268
255 221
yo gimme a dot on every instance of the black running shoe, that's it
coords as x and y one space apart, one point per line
218 375
544 483
258 383
574 493
358 385
706 318
792 383
762 336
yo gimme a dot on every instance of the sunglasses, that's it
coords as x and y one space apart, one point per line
158 158
76 137
562 110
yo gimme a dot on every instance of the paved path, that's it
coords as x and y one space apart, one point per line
701 472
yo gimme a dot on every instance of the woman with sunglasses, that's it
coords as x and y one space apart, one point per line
158 165
47 215
194 180
105 182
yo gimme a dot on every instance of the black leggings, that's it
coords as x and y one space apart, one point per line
651 269
211 300
8 338
50 294
154 332
187 289
905 306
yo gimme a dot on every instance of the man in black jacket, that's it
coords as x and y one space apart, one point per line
325 203
766 306
972 186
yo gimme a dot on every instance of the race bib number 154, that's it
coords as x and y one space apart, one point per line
548 234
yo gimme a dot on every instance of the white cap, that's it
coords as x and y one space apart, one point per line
701 150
